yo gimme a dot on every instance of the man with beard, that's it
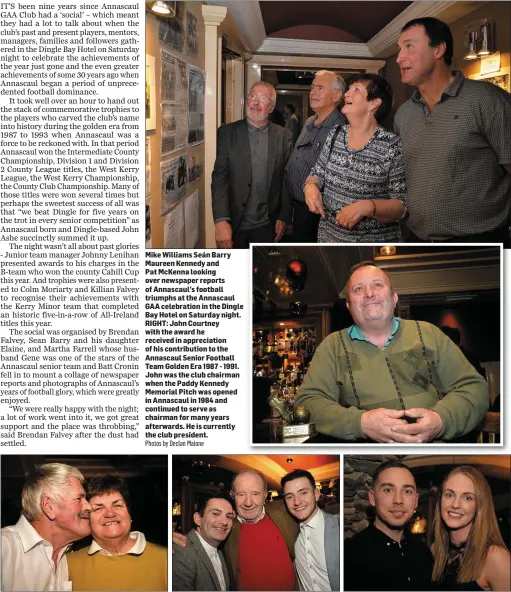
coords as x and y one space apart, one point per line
317 546
250 200
55 512
200 565
383 556
368 381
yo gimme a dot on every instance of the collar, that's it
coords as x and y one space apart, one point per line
315 522
252 128
137 549
243 521
30 537
330 121
354 332
28 534
451 91
210 550
384 539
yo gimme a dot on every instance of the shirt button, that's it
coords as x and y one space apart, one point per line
388 544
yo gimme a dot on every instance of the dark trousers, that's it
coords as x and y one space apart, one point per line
500 235
261 234
305 224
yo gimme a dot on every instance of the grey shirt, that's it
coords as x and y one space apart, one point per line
256 211
306 152
454 157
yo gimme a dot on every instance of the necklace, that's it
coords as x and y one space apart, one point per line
456 551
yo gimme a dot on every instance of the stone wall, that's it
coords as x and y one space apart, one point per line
358 471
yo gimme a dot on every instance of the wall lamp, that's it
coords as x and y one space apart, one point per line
479 39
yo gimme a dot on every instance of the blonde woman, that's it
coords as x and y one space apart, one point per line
469 552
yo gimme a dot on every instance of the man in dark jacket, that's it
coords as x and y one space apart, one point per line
250 199
200 565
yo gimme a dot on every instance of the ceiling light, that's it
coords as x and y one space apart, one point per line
164 8
388 250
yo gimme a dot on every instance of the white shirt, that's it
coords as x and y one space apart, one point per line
260 517
310 562
215 560
137 549
27 562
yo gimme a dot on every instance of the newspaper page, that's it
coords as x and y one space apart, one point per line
109 354
143 375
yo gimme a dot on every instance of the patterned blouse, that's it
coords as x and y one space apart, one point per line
346 176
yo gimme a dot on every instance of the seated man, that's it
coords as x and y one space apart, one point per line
200 565
118 558
371 380
317 546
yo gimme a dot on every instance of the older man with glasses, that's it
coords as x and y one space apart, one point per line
326 92
250 199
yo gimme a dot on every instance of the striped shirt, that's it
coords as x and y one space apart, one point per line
306 151
454 157
373 172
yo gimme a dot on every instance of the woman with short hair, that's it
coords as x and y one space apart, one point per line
358 182
119 558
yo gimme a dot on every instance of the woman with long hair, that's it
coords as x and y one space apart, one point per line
469 551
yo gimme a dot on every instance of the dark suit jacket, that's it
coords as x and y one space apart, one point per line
192 569
285 523
232 174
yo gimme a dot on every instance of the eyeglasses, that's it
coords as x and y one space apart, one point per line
262 98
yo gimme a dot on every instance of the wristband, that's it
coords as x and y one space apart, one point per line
374 208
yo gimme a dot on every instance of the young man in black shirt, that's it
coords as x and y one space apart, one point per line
383 557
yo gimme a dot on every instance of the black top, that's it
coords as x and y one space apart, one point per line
373 561
449 581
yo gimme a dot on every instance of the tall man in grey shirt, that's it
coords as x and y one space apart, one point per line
250 200
326 92
456 139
